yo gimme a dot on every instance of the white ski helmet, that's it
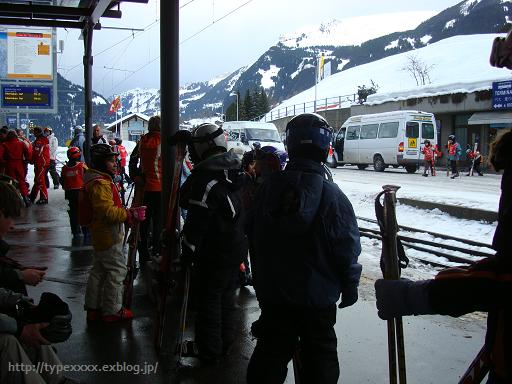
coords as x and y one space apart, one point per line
207 138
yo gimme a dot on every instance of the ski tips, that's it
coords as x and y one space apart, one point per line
391 187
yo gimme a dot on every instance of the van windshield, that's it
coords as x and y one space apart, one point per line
257 134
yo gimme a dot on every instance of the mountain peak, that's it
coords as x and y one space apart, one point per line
353 31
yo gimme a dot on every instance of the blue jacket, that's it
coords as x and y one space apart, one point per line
78 141
305 237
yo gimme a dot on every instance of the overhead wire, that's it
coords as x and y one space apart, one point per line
187 39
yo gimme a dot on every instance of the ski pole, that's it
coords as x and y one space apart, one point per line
386 216
183 318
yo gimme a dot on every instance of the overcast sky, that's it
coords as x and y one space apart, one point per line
228 41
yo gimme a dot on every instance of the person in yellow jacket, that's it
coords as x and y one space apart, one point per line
104 294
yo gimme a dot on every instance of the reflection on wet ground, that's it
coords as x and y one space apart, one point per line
438 349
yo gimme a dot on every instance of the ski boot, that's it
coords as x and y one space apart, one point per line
425 175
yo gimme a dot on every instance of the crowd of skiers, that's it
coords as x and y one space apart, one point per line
271 219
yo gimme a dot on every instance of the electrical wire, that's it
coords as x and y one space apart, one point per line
215 21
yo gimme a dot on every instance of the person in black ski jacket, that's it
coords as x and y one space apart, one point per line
214 243
485 286
306 245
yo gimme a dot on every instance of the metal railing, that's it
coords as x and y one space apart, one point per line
308 106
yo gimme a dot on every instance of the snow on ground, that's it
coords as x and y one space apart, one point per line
361 187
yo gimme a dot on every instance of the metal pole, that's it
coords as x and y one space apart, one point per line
88 62
316 82
169 88
237 106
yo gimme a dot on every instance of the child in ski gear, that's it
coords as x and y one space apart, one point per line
454 153
484 286
214 243
306 242
105 284
428 155
151 167
53 145
41 161
72 180
476 161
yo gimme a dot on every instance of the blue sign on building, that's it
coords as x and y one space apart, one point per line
502 94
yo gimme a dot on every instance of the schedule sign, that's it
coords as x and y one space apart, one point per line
13 96
502 94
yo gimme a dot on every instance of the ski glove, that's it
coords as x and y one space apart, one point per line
402 298
348 296
135 214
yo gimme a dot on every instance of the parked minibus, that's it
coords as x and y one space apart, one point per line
383 139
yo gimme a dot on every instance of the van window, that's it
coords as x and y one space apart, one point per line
412 129
233 135
257 134
387 130
369 131
427 130
353 132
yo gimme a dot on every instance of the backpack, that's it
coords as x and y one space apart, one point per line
458 150
85 213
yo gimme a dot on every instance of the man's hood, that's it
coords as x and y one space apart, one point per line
220 162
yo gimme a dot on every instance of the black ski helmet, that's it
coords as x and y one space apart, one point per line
451 137
308 135
99 153
426 142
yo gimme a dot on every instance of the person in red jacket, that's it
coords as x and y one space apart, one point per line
41 161
28 144
72 179
14 154
150 160
428 157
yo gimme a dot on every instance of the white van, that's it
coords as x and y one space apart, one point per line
384 139
241 135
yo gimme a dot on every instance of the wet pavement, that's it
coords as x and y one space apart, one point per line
438 349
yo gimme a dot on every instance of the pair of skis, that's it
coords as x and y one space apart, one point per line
170 251
474 159
133 241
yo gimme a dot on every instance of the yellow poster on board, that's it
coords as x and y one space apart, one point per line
413 142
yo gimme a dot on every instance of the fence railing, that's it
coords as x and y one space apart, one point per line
308 106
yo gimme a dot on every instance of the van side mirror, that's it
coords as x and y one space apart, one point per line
243 138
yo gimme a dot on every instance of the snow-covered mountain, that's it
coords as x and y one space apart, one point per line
288 68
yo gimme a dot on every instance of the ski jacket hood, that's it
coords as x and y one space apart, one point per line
220 162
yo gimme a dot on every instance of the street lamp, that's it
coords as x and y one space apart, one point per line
235 94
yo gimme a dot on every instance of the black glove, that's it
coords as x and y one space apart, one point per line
182 136
348 296
188 257
402 298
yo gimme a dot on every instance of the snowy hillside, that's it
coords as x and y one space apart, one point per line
460 63
355 30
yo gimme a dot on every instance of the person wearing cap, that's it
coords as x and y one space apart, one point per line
72 180
41 161
104 293
54 144
78 141
306 245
